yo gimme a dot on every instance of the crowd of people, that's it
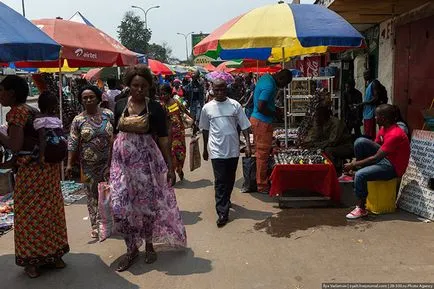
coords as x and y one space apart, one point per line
134 138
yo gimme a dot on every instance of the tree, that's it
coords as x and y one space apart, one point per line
133 34
161 52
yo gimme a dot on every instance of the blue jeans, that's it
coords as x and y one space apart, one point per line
382 170
195 110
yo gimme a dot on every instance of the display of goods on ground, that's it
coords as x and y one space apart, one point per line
72 191
6 213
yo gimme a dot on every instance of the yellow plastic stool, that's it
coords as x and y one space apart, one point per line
382 196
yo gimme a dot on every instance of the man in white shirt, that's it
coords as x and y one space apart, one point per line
218 121
108 97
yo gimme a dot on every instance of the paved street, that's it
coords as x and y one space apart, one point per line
262 247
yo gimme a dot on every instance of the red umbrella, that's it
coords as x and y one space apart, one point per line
93 74
158 67
83 46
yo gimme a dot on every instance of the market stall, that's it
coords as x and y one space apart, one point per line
304 170
275 33
278 32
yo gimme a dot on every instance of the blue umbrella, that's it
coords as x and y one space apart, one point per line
20 40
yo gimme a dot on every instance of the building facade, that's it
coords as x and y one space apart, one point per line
400 46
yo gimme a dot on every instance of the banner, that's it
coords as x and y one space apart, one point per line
309 66
196 38
416 194
201 60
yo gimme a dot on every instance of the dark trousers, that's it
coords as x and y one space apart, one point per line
224 174
357 130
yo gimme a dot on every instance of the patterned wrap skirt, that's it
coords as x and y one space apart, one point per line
40 226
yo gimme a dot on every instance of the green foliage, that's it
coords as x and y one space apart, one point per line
133 34
160 52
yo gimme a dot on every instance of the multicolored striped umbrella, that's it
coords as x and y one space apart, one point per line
279 31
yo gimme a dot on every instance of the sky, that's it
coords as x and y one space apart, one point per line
183 16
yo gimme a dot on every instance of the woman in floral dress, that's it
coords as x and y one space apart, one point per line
174 110
90 140
39 225
144 203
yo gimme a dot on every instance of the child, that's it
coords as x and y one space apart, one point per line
49 127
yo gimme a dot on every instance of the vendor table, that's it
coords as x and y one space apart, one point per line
319 178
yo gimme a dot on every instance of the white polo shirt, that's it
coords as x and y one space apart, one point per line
221 120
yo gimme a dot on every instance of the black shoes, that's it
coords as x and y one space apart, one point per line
222 221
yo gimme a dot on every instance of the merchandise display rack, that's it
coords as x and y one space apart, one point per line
300 91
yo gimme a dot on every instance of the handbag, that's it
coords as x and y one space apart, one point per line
195 160
136 123
106 222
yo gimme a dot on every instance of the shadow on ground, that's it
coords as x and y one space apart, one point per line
82 271
265 198
171 262
191 218
262 197
186 184
399 215
239 212
288 221
239 183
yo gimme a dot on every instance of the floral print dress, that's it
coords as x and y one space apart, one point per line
144 204
92 136
178 136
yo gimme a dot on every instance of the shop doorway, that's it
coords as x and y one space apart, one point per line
414 73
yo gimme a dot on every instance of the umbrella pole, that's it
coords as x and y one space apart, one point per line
62 170
285 102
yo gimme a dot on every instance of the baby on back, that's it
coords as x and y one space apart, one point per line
52 141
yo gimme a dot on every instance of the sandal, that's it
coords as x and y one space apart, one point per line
150 257
58 264
32 271
94 234
127 261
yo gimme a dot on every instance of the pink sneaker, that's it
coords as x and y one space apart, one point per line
345 179
357 213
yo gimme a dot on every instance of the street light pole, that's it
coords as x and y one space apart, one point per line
24 10
146 12
186 42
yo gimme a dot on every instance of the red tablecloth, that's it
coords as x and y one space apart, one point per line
319 178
